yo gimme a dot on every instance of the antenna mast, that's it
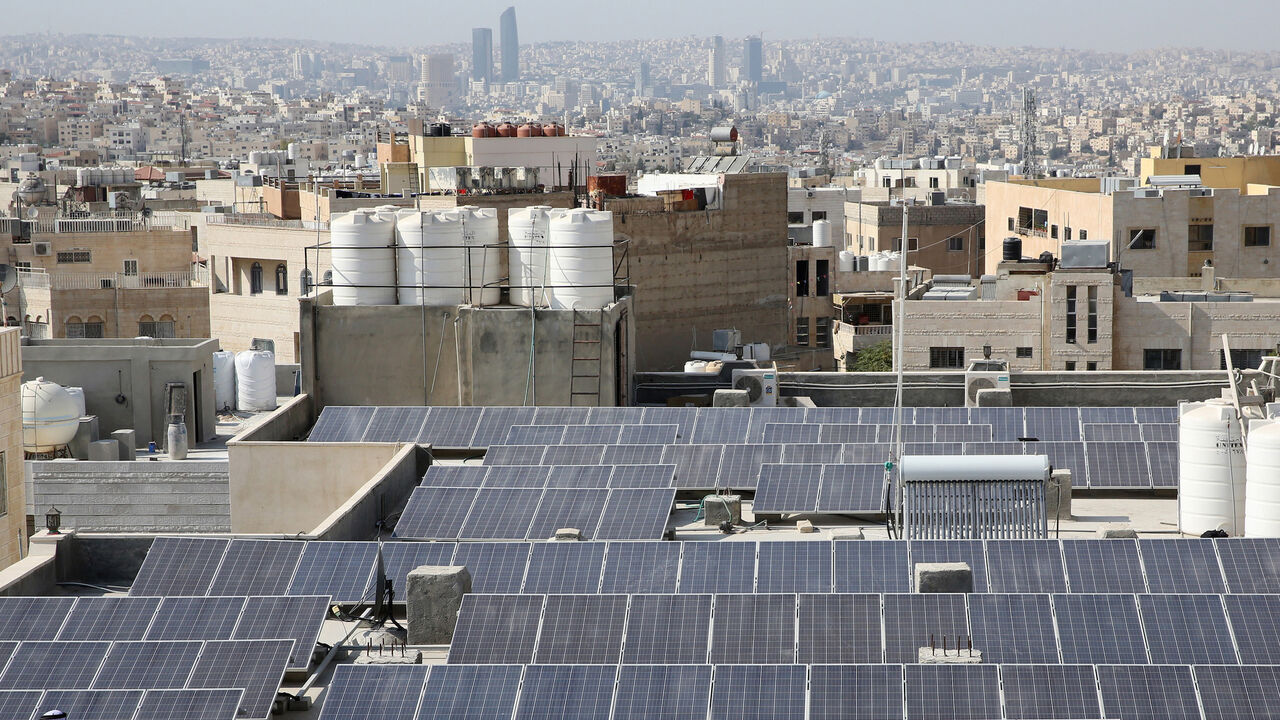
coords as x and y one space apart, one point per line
1029 151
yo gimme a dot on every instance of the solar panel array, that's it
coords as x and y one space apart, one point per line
844 488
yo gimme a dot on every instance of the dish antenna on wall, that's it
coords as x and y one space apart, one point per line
32 213
8 278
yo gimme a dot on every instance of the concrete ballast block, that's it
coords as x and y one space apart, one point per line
1117 533
86 432
1057 495
940 656
731 398
949 577
128 444
104 450
719 508
433 598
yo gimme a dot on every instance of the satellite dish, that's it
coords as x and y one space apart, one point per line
8 278
32 213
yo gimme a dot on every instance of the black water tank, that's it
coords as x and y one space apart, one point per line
1012 249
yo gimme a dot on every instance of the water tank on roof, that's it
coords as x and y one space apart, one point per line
430 260
484 256
1211 468
363 258
580 260
50 416
528 130
506 130
846 261
1012 249
224 381
821 233
553 130
528 230
1262 480
77 394
255 380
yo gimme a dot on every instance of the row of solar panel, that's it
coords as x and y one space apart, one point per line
856 489
220 704
512 513
550 476
784 692
255 667
475 427
866 628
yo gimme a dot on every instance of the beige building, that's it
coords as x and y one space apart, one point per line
553 158
13 518
812 314
945 238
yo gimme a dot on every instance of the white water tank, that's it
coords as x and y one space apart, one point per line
1262 480
821 233
50 416
484 256
580 260
363 258
877 262
255 380
430 260
845 261
695 366
224 380
1211 472
77 394
527 233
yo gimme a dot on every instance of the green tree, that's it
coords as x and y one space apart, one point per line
877 358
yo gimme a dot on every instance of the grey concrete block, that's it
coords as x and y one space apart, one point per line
731 398
939 656
433 598
995 397
1057 495
86 432
1117 533
951 577
128 440
104 450
718 508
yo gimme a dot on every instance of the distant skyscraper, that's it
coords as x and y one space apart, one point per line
753 59
642 79
482 54
510 46
715 63
438 82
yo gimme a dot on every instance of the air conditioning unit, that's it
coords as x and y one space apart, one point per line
43 249
984 375
761 385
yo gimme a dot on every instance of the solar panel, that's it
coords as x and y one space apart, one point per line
514 454
256 665
298 618
566 508
435 512
1118 465
1185 629
1099 629
1148 692
667 629
697 466
1250 565
1166 415
1049 691
844 433
450 427
470 693
533 435
496 422
109 618
454 476
758 692
1112 432
852 489
871 566
195 618
664 434
994 448
1025 566
632 454
396 424
839 628
90 704
560 415
1103 566
341 570
1052 423
762 416
573 455
910 620
1013 628
143 665
517 476
53 664
718 567
836 415
502 513
566 692
952 692
932 448
865 453
1181 566
204 704
636 514
642 476
965 551
1006 423
641 567
398 558
1160 432
257 567
754 628
1163 458
373 692
721 425
962 433
941 416
20 704
579 476
684 417
33 618
615 416
884 416
910 433
496 629
740 464
1107 415
339 423
494 567
875 691
1252 619
794 433
564 568
662 692
788 567
7 649
811 453
179 566
1238 692
581 628
787 488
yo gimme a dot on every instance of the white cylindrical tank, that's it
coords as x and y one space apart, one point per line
363 258
821 233
224 380
430 260
695 366
580 259
845 261
1262 480
876 262
484 256
1211 471
82 177
77 394
50 416
527 232
255 380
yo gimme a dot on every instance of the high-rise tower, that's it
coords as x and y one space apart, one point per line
716 74
510 39
482 54
753 59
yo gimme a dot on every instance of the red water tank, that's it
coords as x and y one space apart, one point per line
480 130
506 130
553 130
534 129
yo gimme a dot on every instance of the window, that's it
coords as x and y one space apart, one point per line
802 278
162 328
327 278
982 243
1191 169
77 328
75 256
1142 239
1084 234
802 332
282 280
1070 366
1257 236
1242 358
1024 219
255 279
822 328
1010 224
131 268
821 270
304 281
913 244
22 265
1053 231
795 218
1091 365
1199 238
1066 232
888 182
1071 314
1092 336
1160 359
933 183
1023 352
946 357
1040 220
819 214
955 244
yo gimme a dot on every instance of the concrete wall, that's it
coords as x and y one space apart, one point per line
122 309
162 496
1074 203
874 227
13 520
385 495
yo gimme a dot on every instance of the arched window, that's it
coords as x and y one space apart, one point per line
282 280
146 326
327 278
255 279
164 327
11 321
304 280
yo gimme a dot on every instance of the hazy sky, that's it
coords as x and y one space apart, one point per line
1092 24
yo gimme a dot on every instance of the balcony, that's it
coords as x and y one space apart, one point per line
107 281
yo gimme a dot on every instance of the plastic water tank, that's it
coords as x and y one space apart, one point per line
846 261
255 380
527 233
50 416
77 394
364 263
224 380
1262 480
821 233
1211 481
1012 249
580 260
695 366
484 256
430 260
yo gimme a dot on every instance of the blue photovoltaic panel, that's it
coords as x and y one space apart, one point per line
573 455
871 566
1250 565
1252 619
649 434
1185 629
533 435
90 704
874 690
762 416
1160 432
794 433
754 629
632 454
1175 566
144 665
514 454
1166 415
1006 423
965 551
109 618
1118 465
196 618
641 567
1107 415
865 453
21 704
845 433
932 448
560 416
341 570
662 692
1096 629
615 416
496 422
1238 692
642 476
1112 432
49 665
994 448
1053 423
257 567
910 433
398 558
566 692
203 704
758 692
811 453
1063 455
640 514
1103 566
1013 628
395 424
962 433
942 416
581 628
494 567
667 629
838 415
564 568
179 566
885 416
339 423
684 417
787 488
450 427
298 618
454 476
373 692
721 425
718 567
501 514
517 476
565 508
591 477
839 628
952 692
470 693
1163 458
1022 566
792 567
740 464
1049 691
1148 692
852 489
697 466
910 619
7 649
435 512
496 629
33 618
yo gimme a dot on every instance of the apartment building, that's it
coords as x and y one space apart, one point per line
918 177
811 312
806 204
945 238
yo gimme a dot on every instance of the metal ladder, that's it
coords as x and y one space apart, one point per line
584 370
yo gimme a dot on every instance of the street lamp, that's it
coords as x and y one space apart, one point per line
53 521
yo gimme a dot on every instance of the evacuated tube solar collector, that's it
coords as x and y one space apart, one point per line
974 496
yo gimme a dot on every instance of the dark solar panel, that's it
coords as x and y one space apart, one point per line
1107 415
933 448
787 488
20 704
685 417
871 566
33 618
1053 423
581 628
962 433
341 570
566 692
667 629
58 664
514 454
1250 565
450 427
790 567
666 434
1181 566
758 692
1253 619
435 512
454 476
852 489
396 424
952 692
1006 423
1118 465
532 435
257 567
632 454
865 453
642 476
885 416
792 433
90 704
875 691
1147 692
910 620
1025 566
1063 455
398 558
1013 628
1163 458
470 693
204 704
1166 415
339 423
373 692
1103 566
718 567
563 508
615 416
179 566
1043 692
496 422
1112 432
1099 629
910 433
721 425
565 568
109 618
994 448
636 514
494 567
1238 692
762 416
256 665
941 416
662 692
938 551
195 618
298 618
697 466
496 629
143 665
754 629
811 453
560 415
573 455
580 476
502 513
836 628
740 464
845 433
517 476
641 567
1185 629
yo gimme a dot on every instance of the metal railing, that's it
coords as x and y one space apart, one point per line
265 221
871 329
107 281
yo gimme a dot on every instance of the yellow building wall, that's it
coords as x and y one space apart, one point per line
1216 172
13 517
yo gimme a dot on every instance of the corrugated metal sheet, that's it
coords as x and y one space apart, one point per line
974 509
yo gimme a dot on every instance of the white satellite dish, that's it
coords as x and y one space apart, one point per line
8 278
32 213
